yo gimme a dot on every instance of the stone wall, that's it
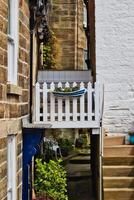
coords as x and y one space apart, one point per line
66 21
13 99
115 61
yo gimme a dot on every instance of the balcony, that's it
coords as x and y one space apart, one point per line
66 111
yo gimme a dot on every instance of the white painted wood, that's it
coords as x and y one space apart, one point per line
97 102
89 101
11 170
96 131
75 115
67 104
64 76
13 41
82 104
52 103
74 105
37 103
60 105
45 102
72 124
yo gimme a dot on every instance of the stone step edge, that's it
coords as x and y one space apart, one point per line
118 166
118 189
118 178
119 146
127 156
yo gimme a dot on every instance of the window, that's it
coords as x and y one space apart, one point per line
84 16
12 40
11 160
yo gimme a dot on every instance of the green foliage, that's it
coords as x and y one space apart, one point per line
50 51
81 141
48 58
48 153
50 179
70 89
66 146
131 133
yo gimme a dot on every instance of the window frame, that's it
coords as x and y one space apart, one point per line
13 35
84 15
12 167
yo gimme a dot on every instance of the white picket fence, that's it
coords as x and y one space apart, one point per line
66 112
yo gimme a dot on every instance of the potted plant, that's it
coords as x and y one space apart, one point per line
69 91
131 137
50 180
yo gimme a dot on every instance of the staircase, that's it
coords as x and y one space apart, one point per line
79 177
118 169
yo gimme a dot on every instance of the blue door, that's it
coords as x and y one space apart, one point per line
31 143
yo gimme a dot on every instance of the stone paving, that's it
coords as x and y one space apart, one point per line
79 177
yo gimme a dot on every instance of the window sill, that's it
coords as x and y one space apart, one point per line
14 89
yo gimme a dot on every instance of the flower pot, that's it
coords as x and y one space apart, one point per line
43 198
131 139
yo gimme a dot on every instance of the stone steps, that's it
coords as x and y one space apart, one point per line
118 193
118 170
118 150
118 182
114 140
118 160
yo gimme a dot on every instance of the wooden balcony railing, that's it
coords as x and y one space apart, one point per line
67 112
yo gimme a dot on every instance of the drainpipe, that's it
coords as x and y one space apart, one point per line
88 37
31 60
91 30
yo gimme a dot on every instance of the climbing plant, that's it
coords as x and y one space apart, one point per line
50 51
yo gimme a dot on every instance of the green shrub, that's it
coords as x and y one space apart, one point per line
50 179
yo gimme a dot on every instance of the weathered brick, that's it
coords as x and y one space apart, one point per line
3 9
3 25
3 170
3 155
19 177
2 110
3 188
2 92
114 62
19 137
3 143
19 148
3 41
25 95
3 75
15 110
24 109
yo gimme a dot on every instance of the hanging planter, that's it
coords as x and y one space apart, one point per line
69 92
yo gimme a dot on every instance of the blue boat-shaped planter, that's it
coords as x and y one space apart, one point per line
76 93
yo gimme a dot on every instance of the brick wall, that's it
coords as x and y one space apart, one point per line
66 20
13 99
115 61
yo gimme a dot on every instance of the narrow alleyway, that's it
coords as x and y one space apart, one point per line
79 177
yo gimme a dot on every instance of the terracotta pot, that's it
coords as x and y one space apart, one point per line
43 198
